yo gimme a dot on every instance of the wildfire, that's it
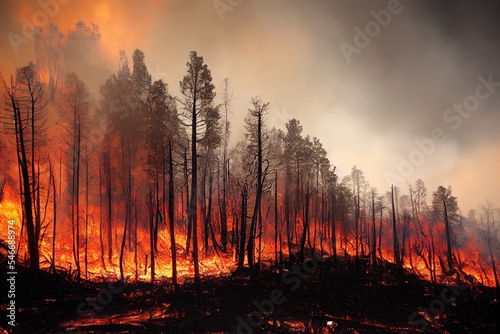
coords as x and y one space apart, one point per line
99 265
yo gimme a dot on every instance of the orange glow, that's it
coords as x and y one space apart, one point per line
473 262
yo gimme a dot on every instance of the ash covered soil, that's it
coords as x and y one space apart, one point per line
319 297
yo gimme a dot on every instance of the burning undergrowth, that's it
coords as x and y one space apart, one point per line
325 296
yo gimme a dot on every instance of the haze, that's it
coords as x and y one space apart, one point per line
367 109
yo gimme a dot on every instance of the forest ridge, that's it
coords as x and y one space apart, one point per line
143 178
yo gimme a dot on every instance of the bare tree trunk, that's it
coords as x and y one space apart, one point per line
306 226
406 222
101 216
135 238
243 229
432 254
193 211
54 218
493 266
158 216
86 214
380 234
107 170
287 211
258 196
76 194
128 196
223 207
394 231
171 214
204 205
334 227
188 206
35 186
276 218
25 185
215 245
448 240
374 233
152 214
356 227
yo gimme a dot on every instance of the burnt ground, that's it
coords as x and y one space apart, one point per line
319 298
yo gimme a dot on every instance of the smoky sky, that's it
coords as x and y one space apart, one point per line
367 112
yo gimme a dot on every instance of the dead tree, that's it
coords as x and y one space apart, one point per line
397 258
449 253
171 213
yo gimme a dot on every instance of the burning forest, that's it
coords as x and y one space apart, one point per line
134 200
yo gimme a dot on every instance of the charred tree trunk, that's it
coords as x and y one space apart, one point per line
158 216
35 181
209 211
171 214
324 223
432 254
204 215
107 169
397 258
243 228
101 214
128 198
135 238
374 233
25 186
258 195
54 218
152 214
356 227
306 226
223 206
406 222
287 211
86 214
188 207
75 188
449 253
276 218
193 205
332 212
380 234
493 266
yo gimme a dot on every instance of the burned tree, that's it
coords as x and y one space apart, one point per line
226 107
74 108
489 231
26 118
395 244
198 92
256 136
160 127
445 209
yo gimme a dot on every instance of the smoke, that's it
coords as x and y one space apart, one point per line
367 112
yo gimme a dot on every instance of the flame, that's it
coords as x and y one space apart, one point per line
474 261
